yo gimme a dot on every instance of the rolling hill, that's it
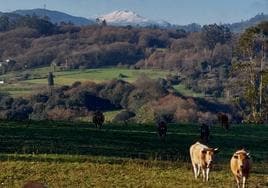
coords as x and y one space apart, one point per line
128 17
241 26
56 16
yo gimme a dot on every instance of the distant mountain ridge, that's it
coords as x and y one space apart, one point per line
126 17
56 16
241 26
11 15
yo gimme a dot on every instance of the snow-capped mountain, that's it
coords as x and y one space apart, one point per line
124 18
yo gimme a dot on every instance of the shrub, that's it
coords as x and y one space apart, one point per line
145 114
58 113
20 113
173 108
124 116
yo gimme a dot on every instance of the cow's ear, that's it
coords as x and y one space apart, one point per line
236 156
216 150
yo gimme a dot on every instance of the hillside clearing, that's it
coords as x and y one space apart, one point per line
37 79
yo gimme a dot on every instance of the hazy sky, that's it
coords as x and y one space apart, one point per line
174 11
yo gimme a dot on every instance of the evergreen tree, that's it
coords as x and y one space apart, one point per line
50 82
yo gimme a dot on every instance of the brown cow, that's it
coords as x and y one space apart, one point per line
98 119
204 133
224 120
162 130
202 158
240 166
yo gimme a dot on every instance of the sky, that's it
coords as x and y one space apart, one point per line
174 11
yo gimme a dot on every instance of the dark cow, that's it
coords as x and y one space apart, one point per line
204 133
223 120
98 119
162 130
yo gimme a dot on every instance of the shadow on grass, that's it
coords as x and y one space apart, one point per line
114 141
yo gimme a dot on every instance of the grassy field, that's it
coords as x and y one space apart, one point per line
37 78
187 92
39 75
61 154
100 75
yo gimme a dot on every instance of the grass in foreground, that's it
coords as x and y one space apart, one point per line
131 173
77 155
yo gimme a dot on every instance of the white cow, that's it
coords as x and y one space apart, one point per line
202 158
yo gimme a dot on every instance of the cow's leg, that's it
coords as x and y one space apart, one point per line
204 174
99 125
207 172
195 170
198 170
243 182
237 181
206 139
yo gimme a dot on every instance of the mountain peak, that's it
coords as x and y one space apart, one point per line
127 17
124 17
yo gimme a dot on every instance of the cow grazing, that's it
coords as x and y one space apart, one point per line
223 120
204 133
240 166
98 119
162 130
202 158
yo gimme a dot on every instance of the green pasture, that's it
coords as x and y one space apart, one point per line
99 75
187 92
71 154
37 78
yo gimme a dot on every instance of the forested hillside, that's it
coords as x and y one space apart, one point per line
204 61
32 42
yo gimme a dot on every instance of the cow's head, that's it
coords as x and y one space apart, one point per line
208 156
242 158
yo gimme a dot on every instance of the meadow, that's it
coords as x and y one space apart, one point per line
76 154
37 79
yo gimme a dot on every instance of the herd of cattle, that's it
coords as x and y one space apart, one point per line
201 155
